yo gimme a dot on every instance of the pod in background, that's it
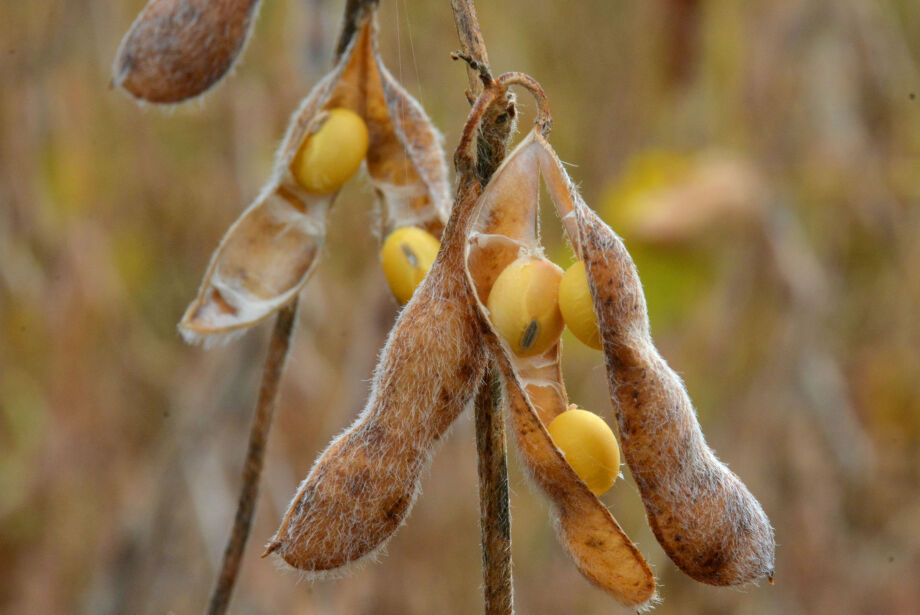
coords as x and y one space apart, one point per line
178 49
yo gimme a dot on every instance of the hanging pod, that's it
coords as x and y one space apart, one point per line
703 516
268 254
506 229
364 484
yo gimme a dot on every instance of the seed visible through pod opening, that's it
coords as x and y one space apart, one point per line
524 305
589 446
406 256
333 153
577 306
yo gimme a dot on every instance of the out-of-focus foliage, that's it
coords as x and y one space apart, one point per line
794 322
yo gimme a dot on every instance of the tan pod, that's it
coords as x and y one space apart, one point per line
269 253
179 49
363 486
506 228
703 516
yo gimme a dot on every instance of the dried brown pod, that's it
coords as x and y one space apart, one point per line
703 516
268 254
362 487
178 49
535 393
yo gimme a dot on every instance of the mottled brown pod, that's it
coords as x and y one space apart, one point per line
268 254
178 49
363 486
706 520
506 228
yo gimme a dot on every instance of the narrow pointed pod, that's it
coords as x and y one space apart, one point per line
270 252
703 516
178 49
506 228
363 486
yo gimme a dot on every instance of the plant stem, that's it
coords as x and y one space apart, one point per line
255 454
354 10
495 517
471 43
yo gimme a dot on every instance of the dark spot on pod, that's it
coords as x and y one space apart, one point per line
395 511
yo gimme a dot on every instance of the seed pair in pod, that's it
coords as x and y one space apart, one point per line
532 299
357 114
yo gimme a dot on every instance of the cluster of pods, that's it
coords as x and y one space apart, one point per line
477 289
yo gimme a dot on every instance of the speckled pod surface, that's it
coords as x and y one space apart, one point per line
703 516
535 393
178 49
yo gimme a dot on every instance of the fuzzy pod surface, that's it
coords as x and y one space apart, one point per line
270 252
178 49
535 393
704 517
362 487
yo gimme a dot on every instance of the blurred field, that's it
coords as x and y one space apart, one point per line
785 291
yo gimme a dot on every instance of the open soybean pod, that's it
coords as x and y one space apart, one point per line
268 254
703 516
178 49
506 228
363 486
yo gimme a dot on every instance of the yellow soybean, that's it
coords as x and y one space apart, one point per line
524 305
331 155
407 255
577 306
589 447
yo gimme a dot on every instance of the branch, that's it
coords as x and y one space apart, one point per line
492 117
497 125
354 13
255 455
495 516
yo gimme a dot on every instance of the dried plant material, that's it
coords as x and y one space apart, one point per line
363 486
588 532
702 514
267 256
178 49
505 228
406 162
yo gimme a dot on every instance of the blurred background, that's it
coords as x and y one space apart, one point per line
761 160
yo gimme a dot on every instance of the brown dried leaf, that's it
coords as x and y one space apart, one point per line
178 49
703 516
719 189
507 227
363 486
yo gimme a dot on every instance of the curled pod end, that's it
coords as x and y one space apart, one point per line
178 49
